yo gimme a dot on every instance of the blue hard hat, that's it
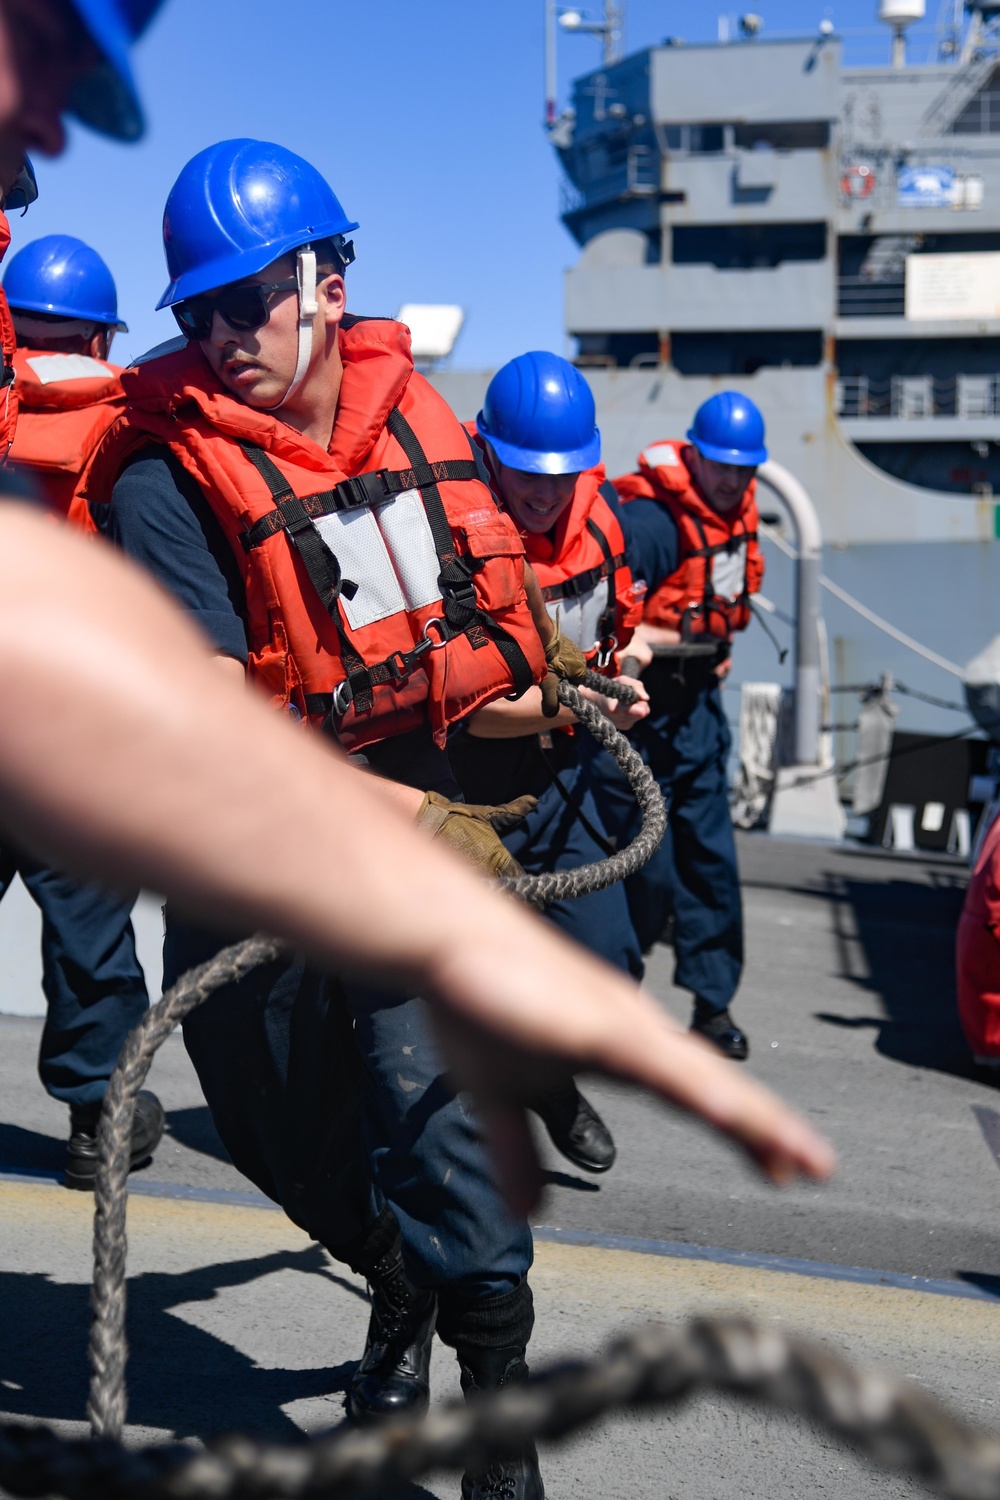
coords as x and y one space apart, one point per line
729 429
60 275
238 206
107 99
539 416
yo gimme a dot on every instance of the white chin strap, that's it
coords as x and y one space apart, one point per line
305 275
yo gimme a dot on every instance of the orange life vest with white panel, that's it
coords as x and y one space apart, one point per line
721 563
384 586
8 343
67 403
582 569
585 579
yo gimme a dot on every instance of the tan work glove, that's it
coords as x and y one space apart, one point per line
474 830
565 660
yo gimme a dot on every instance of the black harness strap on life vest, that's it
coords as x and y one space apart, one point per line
295 515
462 610
363 491
711 602
320 563
612 563
580 584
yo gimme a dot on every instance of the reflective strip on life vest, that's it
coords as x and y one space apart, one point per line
392 548
52 367
579 606
660 456
729 570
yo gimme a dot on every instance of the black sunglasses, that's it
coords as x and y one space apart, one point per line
244 307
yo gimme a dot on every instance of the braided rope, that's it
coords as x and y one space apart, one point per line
562 885
891 1421
611 687
108 1344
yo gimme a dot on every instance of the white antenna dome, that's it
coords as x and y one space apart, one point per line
901 13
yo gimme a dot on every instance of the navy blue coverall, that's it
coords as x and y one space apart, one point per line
554 836
328 1095
93 983
94 987
685 742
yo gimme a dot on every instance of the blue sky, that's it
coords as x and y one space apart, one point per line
425 115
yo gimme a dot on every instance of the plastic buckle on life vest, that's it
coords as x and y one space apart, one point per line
361 491
606 651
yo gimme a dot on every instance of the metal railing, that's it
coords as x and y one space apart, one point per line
916 397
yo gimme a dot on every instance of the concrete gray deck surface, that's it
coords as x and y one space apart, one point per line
848 999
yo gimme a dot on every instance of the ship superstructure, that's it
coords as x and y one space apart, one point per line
754 213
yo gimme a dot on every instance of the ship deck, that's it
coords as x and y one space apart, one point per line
237 1321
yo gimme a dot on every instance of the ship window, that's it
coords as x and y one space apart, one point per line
699 139
981 116
743 246
958 468
618 350
783 135
746 352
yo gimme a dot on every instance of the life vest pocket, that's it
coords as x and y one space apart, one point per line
497 548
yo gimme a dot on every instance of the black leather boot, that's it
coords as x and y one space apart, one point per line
513 1477
576 1129
393 1378
718 1027
81 1153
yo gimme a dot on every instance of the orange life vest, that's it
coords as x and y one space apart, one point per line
582 570
8 343
67 403
721 562
384 586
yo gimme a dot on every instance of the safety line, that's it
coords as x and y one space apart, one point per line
790 1265
140 1187
863 610
553 1235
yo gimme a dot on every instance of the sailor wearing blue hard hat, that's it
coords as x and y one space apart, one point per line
251 472
58 58
59 280
65 311
692 514
538 434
